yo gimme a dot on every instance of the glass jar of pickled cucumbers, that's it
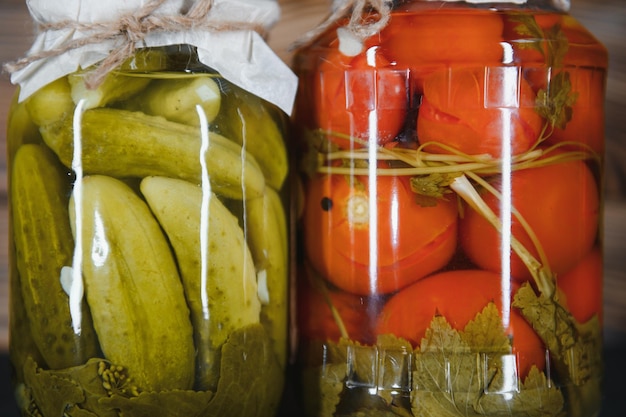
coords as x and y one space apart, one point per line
148 242
450 158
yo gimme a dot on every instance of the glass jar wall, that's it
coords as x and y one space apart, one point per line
449 242
148 244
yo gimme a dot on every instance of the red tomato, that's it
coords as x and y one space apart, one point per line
316 320
427 37
582 287
458 296
478 111
362 97
559 202
407 241
587 123
428 40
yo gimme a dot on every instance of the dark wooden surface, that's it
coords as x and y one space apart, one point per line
605 18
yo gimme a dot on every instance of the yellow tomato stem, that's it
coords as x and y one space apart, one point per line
406 171
318 283
420 162
432 163
518 216
542 135
409 156
462 186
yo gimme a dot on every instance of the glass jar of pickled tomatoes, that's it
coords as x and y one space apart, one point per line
449 249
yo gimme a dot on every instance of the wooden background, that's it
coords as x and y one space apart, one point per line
605 18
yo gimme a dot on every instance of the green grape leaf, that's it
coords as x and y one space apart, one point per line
51 394
537 397
464 374
94 380
553 324
248 363
374 410
394 367
343 384
585 358
576 348
453 373
447 376
324 387
162 404
357 358
76 411
485 333
99 388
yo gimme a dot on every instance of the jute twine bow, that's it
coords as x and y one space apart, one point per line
368 18
129 30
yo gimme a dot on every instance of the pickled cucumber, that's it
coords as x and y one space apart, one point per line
115 87
219 277
51 103
118 85
253 123
126 144
176 99
267 238
44 245
133 286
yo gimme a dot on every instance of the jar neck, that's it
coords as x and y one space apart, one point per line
549 5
